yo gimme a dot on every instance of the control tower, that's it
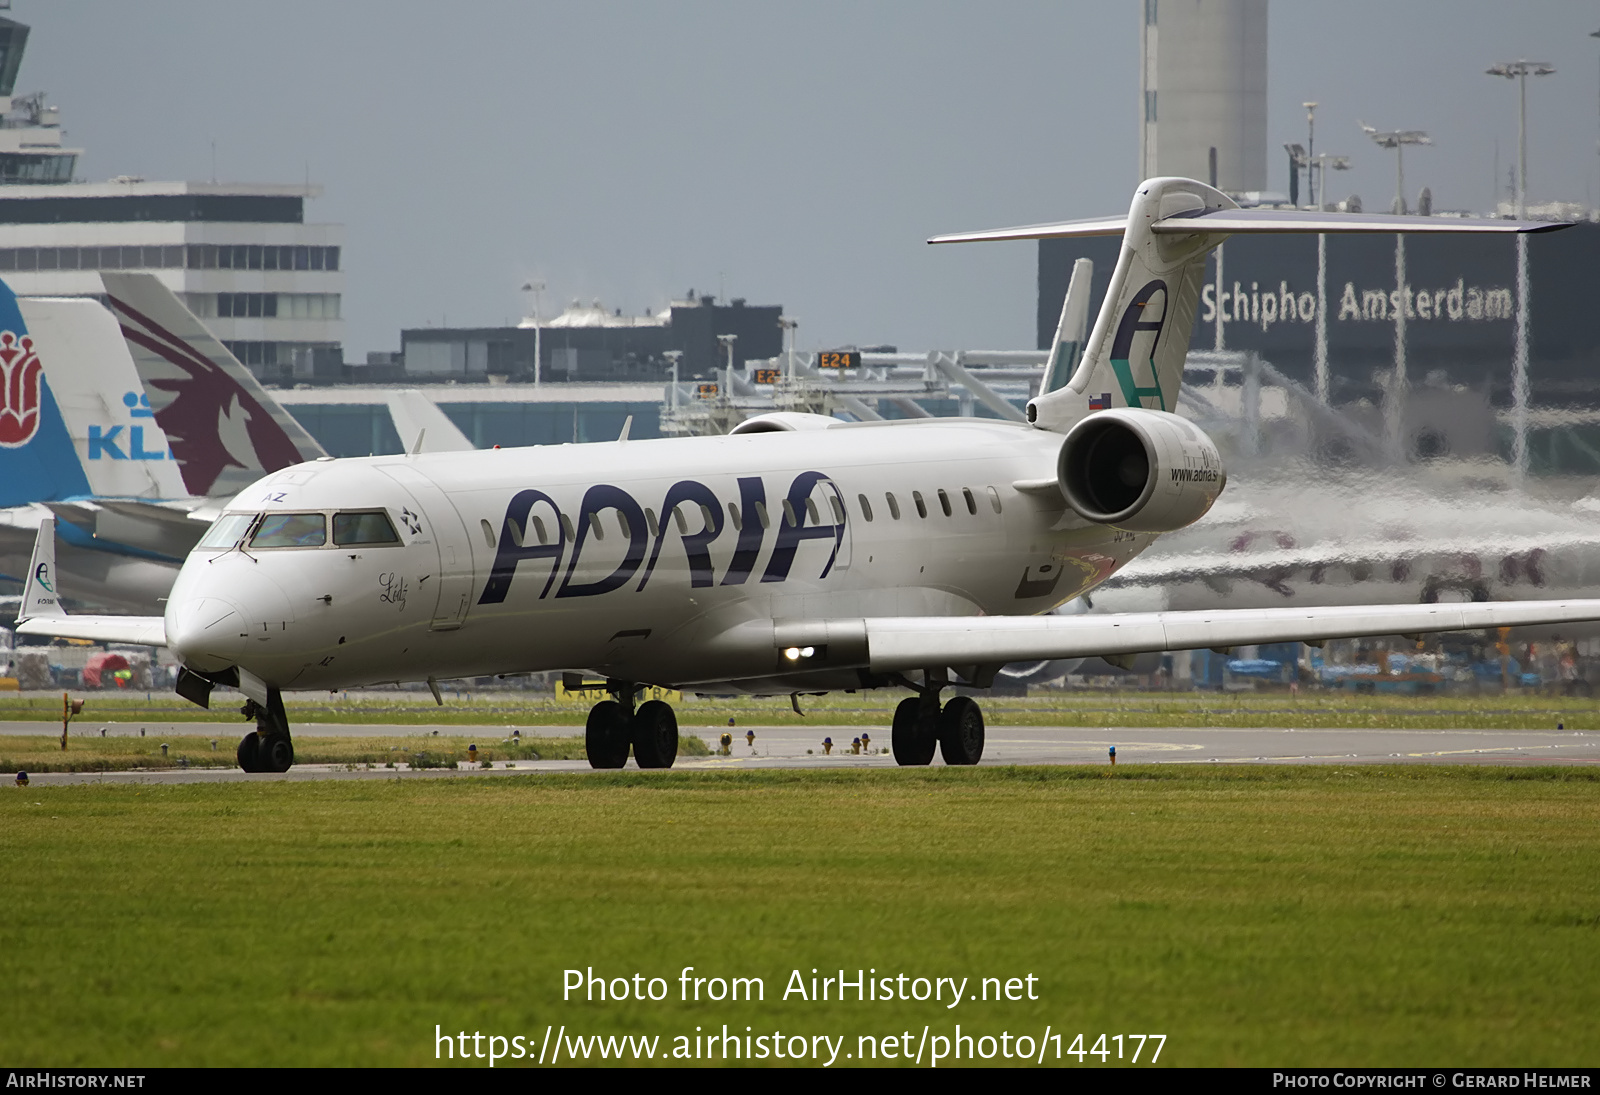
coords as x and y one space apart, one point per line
1204 103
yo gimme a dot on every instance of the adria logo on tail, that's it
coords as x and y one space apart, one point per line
1146 313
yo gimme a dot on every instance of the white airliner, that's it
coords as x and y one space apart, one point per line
798 555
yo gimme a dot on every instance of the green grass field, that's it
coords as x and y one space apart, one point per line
1310 709
1255 916
123 752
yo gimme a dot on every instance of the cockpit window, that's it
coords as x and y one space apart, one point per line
226 531
350 529
288 530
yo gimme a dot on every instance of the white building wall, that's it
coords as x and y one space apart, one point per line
198 286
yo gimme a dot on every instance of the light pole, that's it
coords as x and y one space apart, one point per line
727 344
789 324
1397 140
1297 160
1311 151
536 288
1519 71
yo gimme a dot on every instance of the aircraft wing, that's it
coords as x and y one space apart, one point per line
900 644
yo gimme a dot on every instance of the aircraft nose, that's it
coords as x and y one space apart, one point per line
207 633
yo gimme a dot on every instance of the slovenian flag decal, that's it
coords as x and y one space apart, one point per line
1100 402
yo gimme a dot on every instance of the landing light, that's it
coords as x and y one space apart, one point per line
795 653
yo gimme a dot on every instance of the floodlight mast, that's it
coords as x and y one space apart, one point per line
536 288
1397 140
1311 152
1519 71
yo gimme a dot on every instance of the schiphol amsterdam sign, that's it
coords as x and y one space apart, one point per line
1460 302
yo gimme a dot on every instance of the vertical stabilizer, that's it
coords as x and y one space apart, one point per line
225 430
422 426
123 451
1134 356
39 596
1067 349
37 461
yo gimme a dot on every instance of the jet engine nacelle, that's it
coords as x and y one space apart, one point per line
1139 470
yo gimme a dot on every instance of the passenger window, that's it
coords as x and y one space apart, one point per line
594 525
538 530
922 507
291 530
944 502
972 503
568 533
733 515
866 506
226 531
838 510
679 520
894 506
994 499
707 516
789 517
350 529
650 522
488 532
811 509
622 523
761 512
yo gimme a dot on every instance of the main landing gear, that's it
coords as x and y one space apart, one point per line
922 722
614 725
267 748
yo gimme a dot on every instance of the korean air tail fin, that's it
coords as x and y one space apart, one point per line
37 462
1135 353
225 430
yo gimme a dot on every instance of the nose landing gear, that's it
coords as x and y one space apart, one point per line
921 722
613 725
268 748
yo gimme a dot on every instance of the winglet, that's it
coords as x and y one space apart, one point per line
39 596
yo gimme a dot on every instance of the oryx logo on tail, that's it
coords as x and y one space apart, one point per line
1145 315
20 395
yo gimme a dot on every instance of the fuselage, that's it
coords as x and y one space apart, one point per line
677 561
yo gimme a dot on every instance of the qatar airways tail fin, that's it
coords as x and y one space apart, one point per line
225 430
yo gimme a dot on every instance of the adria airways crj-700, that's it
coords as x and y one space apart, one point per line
800 554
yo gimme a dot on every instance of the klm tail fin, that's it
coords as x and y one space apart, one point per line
225 429
122 450
1067 349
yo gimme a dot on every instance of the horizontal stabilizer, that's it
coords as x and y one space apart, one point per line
1235 222
136 630
901 644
